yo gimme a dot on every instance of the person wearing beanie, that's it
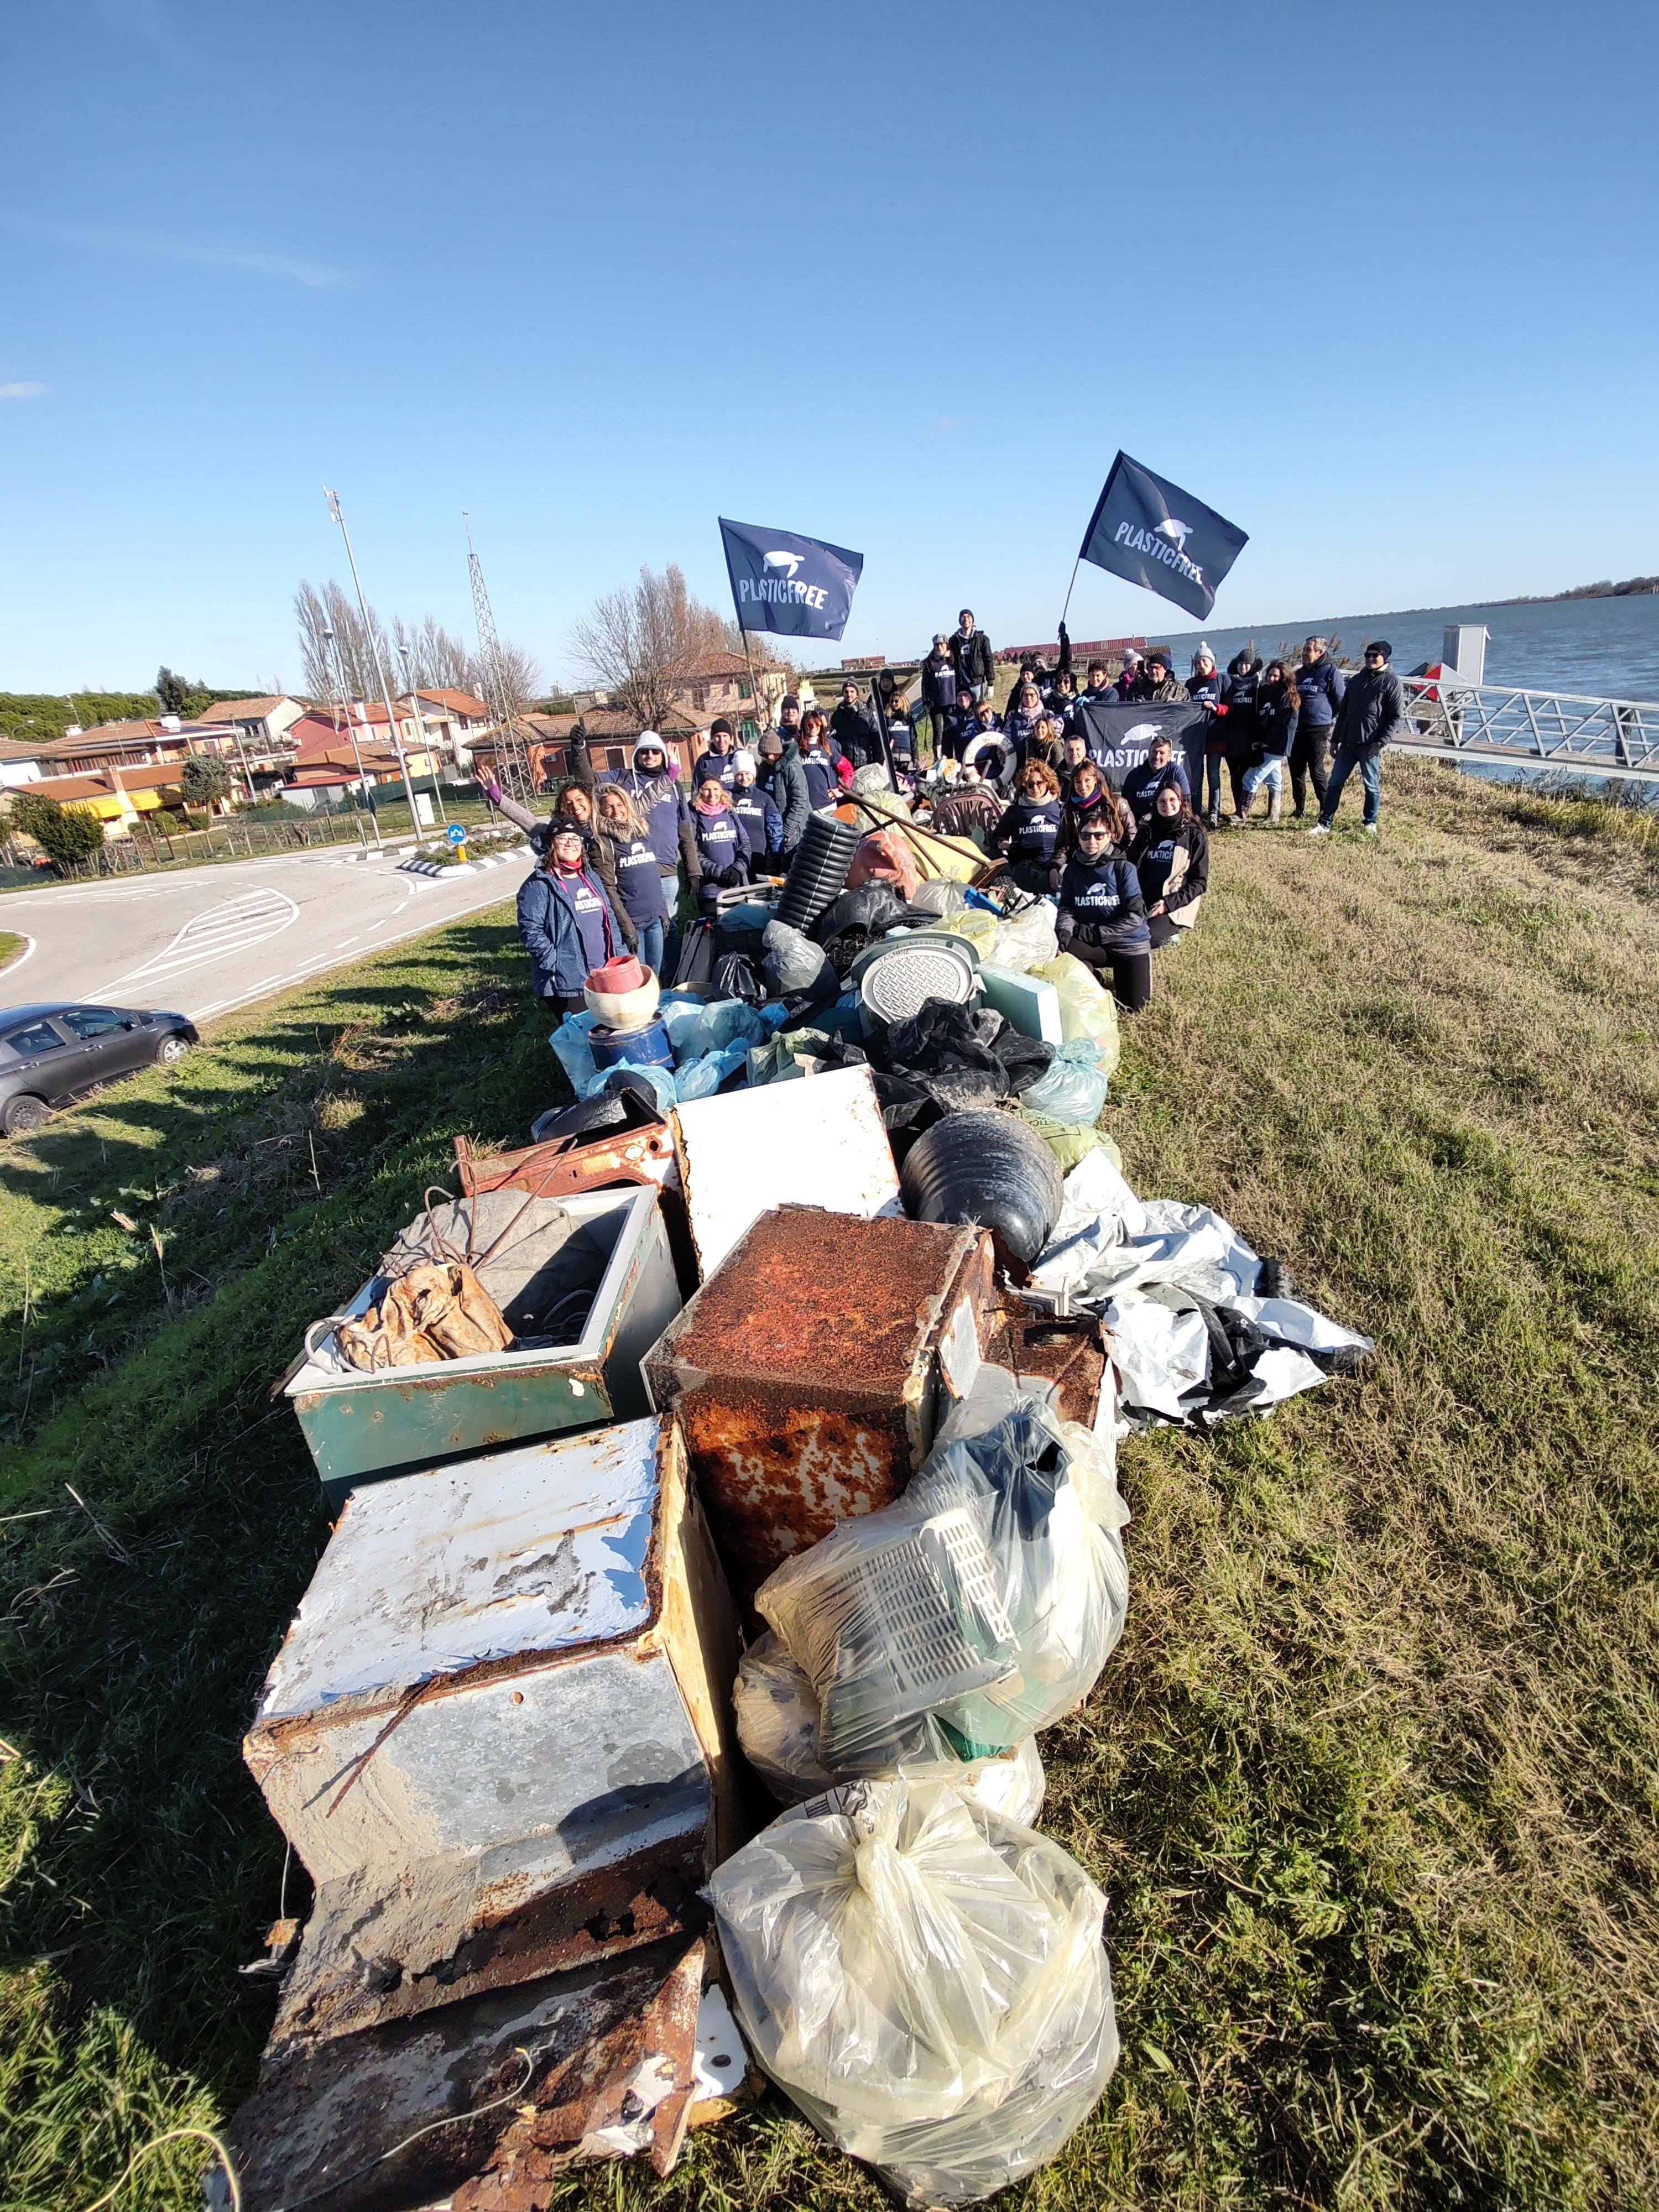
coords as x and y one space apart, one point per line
1158 682
565 921
970 651
651 784
941 690
1129 675
783 777
762 822
720 759
1373 710
788 723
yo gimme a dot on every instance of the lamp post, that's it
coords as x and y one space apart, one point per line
373 644
357 750
402 651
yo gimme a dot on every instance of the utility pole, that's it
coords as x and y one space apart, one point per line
374 645
509 751
340 705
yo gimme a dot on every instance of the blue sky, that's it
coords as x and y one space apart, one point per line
1377 283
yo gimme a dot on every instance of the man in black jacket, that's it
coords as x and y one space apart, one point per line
1372 710
1320 685
853 730
970 652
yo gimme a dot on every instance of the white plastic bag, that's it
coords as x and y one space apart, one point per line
926 1979
1074 1089
1025 940
777 1714
1087 1008
979 1608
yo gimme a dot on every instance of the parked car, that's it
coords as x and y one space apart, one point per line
50 1055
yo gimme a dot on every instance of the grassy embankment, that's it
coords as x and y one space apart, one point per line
10 946
1371 1781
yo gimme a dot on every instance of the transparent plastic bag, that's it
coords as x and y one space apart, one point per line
1074 1089
573 1053
662 1086
1025 940
794 961
979 1608
926 1979
723 1023
679 1014
777 1715
1087 1008
1069 1141
703 1078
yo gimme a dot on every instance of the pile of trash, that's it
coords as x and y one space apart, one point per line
751 1432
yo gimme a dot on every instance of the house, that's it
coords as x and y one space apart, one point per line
451 719
116 796
611 732
264 723
18 764
322 736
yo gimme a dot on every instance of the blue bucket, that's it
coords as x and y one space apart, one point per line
645 1047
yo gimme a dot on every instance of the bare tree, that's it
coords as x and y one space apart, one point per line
432 657
331 608
637 641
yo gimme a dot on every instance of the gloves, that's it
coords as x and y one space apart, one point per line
493 792
729 878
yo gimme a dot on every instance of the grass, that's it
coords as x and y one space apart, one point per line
10 946
1371 1781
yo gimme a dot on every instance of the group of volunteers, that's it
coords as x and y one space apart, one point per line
1128 870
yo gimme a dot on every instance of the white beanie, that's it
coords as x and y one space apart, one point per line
744 762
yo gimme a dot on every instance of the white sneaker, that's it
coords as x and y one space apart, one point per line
1320 829
1370 829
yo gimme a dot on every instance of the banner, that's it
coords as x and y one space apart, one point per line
1161 537
1120 734
796 586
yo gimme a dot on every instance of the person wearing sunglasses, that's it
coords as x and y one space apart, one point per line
1372 712
1103 914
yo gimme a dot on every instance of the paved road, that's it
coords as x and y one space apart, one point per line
204 940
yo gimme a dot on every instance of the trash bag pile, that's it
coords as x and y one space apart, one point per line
710 1040
1199 1327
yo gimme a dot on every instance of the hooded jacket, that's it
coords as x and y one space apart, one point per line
823 776
1321 687
972 658
637 899
1373 707
1276 713
1102 801
1172 859
939 683
1235 725
658 800
959 732
721 766
786 787
1205 690
552 909
1101 904
1142 784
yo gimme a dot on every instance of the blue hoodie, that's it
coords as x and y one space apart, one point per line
567 929
1103 900
762 824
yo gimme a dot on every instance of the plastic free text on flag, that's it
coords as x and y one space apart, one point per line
796 586
1161 537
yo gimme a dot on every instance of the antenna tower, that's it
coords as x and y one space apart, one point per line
515 760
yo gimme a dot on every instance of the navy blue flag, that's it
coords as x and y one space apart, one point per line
1149 530
1120 734
798 586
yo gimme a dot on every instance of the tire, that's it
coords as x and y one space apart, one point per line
22 1114
171 1051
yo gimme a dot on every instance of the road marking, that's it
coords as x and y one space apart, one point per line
12 966
229 927
343 942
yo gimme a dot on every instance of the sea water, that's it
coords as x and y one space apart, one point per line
1593 648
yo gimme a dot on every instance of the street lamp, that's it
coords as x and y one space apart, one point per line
374 645
333 644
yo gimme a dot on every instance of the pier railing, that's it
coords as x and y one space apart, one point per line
1615 737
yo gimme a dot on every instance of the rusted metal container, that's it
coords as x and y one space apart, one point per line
364 1428
498 1731
807 1371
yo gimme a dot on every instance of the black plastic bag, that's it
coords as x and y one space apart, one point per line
946 1051
854 921
735 976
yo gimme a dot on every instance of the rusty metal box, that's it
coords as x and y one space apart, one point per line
807 1369
497 1733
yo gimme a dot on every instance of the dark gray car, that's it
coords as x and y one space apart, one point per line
50 1055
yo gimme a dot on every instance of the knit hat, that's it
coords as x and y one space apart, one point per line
742 762
789 700
771 745
719 724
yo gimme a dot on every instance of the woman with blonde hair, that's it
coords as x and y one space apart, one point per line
1029 829
625 842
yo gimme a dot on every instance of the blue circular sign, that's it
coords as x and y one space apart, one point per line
455 834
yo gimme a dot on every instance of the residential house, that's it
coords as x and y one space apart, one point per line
264 723
326 763
450 719
611 732
116 796
18 764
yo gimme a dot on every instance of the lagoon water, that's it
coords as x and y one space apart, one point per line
1597 648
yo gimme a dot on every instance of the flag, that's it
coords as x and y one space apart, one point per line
798 586
1161 537
1120 733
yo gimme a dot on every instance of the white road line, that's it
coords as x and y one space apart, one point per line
343 942
215 932
12 966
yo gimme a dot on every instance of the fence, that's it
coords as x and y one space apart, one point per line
1617 737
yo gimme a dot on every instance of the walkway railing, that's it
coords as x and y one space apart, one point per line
1603 736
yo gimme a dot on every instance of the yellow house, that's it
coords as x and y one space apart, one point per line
116 796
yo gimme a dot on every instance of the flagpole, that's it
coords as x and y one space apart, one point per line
1070 588
754 681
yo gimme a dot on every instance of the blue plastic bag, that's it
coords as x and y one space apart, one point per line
1074 1089
573 1052
704 1077
660 1079
725 1023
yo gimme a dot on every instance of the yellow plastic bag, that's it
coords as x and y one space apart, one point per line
1087 1008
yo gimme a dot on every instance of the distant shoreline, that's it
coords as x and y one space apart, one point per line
1633 587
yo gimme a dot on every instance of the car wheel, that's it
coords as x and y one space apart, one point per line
22 1114
171 1049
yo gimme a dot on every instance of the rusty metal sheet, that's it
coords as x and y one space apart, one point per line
517 2081
805 1371
561 1166
1070 1352
452 1927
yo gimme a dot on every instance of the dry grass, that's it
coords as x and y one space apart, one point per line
1372 1778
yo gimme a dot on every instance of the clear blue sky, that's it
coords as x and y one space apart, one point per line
1377 282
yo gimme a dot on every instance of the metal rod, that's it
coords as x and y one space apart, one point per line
373 644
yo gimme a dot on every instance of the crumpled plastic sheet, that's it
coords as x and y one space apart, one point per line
1026 940
1195 1325
777 1715
978 1609
926 1979
1074 1089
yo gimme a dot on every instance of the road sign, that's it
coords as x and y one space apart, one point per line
455 834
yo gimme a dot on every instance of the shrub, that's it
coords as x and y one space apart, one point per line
64 834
